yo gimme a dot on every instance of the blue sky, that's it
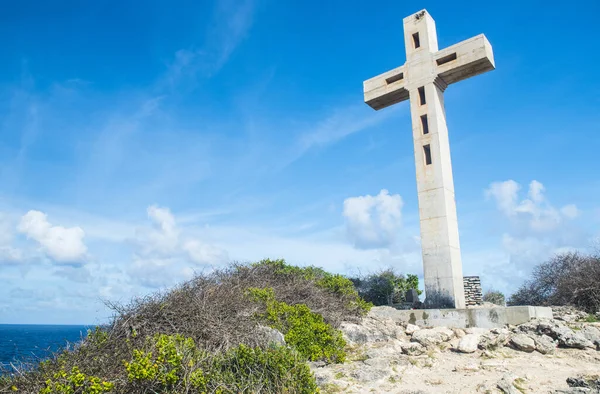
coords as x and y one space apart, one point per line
141 142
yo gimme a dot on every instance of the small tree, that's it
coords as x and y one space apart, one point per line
495 297
385 287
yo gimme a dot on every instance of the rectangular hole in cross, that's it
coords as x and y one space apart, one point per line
424 124
427 152
422 100
446 59
394 78
416 40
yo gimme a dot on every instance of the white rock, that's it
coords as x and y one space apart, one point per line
523 342
411 329
468 343
272 335
432 336
413 349
592 334
544 344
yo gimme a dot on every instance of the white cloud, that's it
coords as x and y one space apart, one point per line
63 245
8 254
535 210
165 253
373 221
203 253
570 211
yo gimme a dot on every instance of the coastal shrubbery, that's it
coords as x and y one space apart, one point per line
566 279
204 336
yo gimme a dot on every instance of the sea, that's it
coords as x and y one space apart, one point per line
32 342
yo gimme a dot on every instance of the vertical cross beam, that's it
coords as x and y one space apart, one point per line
423 79
442 266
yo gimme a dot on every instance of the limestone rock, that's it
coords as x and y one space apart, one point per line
506 386
271 335
544 344
388 349
565 336
592 334
368 373
411 329
432 336
466 368
493 341
468 343
568 313
592 382
523 342
378 362
355 333
459 332
413 349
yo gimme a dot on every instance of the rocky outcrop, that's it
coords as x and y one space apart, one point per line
383 352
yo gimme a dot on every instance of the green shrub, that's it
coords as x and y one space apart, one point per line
335 283
385 287
75 381
173 364
495 297
273 370
306 331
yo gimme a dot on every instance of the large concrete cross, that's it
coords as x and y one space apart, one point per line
423 79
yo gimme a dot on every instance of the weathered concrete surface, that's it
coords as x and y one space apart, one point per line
423 79
463 318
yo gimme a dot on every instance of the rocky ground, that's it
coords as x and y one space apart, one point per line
544 356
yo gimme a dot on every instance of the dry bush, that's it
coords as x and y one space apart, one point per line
567 279
211 309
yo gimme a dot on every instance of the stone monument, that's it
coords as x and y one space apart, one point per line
422 80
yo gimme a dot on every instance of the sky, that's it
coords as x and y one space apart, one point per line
144 142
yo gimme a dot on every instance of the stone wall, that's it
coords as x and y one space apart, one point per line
473 292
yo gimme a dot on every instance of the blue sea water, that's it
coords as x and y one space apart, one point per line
27 342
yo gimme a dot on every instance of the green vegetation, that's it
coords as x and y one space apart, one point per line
385 287
304 330
495 297
591 319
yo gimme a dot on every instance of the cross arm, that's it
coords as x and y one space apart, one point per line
386 89
465 59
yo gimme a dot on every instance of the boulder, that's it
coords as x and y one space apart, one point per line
271 335
468 343
355 333
413 349
592 334
459 332
411 329
544 344
493 341
522 342
432 336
